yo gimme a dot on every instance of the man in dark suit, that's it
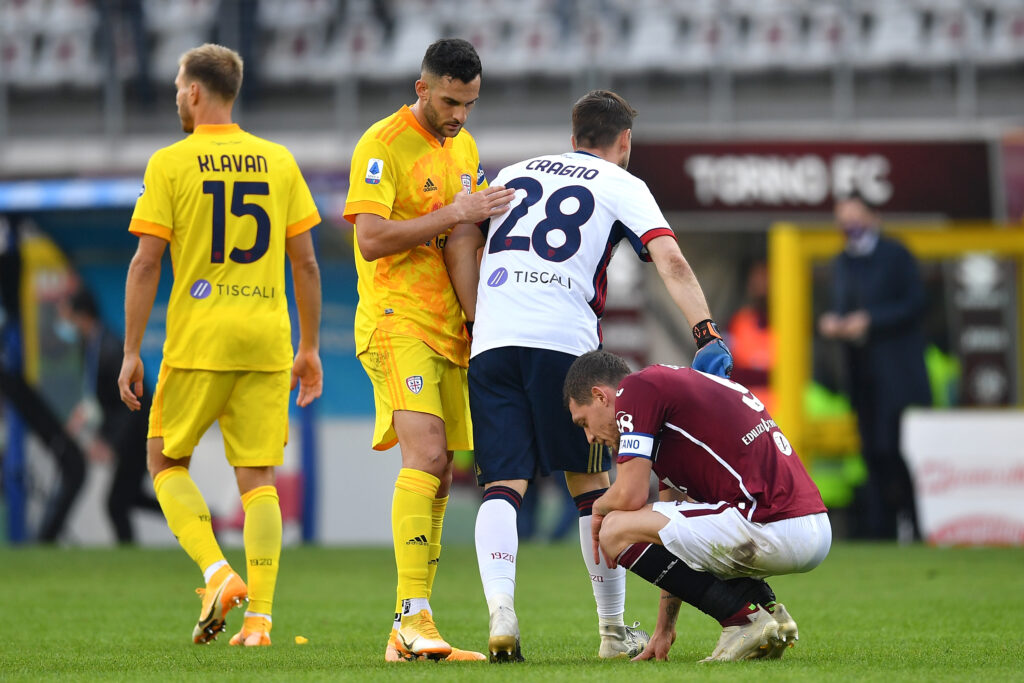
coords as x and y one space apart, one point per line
877 313
120 435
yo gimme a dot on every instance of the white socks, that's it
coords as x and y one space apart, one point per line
497 543
609 584
212 569
415 606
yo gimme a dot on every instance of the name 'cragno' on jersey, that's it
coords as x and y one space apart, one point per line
543 276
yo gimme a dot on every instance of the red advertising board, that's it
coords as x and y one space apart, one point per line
1013 175
948 178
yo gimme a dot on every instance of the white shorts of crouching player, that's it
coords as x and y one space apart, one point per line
717 538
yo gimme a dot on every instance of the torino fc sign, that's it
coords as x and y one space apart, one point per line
775 180
939 177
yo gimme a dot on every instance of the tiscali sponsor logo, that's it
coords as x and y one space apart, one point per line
255 291
542 277
497 278
201 289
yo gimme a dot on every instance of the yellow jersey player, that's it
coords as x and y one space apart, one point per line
231 205
414 175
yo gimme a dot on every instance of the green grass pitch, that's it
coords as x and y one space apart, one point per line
870 612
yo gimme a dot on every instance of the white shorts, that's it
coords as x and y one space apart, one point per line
717 538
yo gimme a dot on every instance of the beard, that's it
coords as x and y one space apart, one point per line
188 123
437 122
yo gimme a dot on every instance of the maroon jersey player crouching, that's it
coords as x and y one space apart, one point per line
735 504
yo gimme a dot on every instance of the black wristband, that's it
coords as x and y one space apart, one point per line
469 328
705 332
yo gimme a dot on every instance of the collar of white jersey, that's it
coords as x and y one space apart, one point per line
580 151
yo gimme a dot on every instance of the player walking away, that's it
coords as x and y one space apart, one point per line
414 176
536 300
736 504
231 205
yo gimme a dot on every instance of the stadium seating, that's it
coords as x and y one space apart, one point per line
767 36
176 25
54 42
350 51
826 32
1003 38
357 43
16 57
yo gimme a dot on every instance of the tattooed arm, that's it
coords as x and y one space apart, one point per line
668 608
665 630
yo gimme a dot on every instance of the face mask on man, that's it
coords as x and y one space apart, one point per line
855 230
860 237
65 331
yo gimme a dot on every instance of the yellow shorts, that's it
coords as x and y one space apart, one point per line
409 375
251 407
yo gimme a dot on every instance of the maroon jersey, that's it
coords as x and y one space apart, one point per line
712 439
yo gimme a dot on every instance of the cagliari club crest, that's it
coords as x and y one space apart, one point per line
415 383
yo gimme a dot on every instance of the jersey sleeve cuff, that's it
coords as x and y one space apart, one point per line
353 209
650 235
303 225
141 227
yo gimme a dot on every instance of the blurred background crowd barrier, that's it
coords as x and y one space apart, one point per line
754 115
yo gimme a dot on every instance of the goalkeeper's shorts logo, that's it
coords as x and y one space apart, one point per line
415 383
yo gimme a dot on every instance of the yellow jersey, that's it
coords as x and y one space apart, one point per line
400 171
226 201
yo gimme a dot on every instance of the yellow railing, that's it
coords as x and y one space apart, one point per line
44 277
793 250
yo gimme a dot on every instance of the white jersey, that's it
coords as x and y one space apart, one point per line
543 277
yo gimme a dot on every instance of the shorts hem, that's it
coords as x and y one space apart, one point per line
275 463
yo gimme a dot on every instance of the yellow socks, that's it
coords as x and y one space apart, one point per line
434 549
189 520
187 515
412 530
262 536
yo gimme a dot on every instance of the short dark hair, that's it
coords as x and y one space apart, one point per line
83 302
215 67
855 195
452 57
589 370
599 117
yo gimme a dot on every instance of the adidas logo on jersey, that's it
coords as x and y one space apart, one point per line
418 540
429 186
